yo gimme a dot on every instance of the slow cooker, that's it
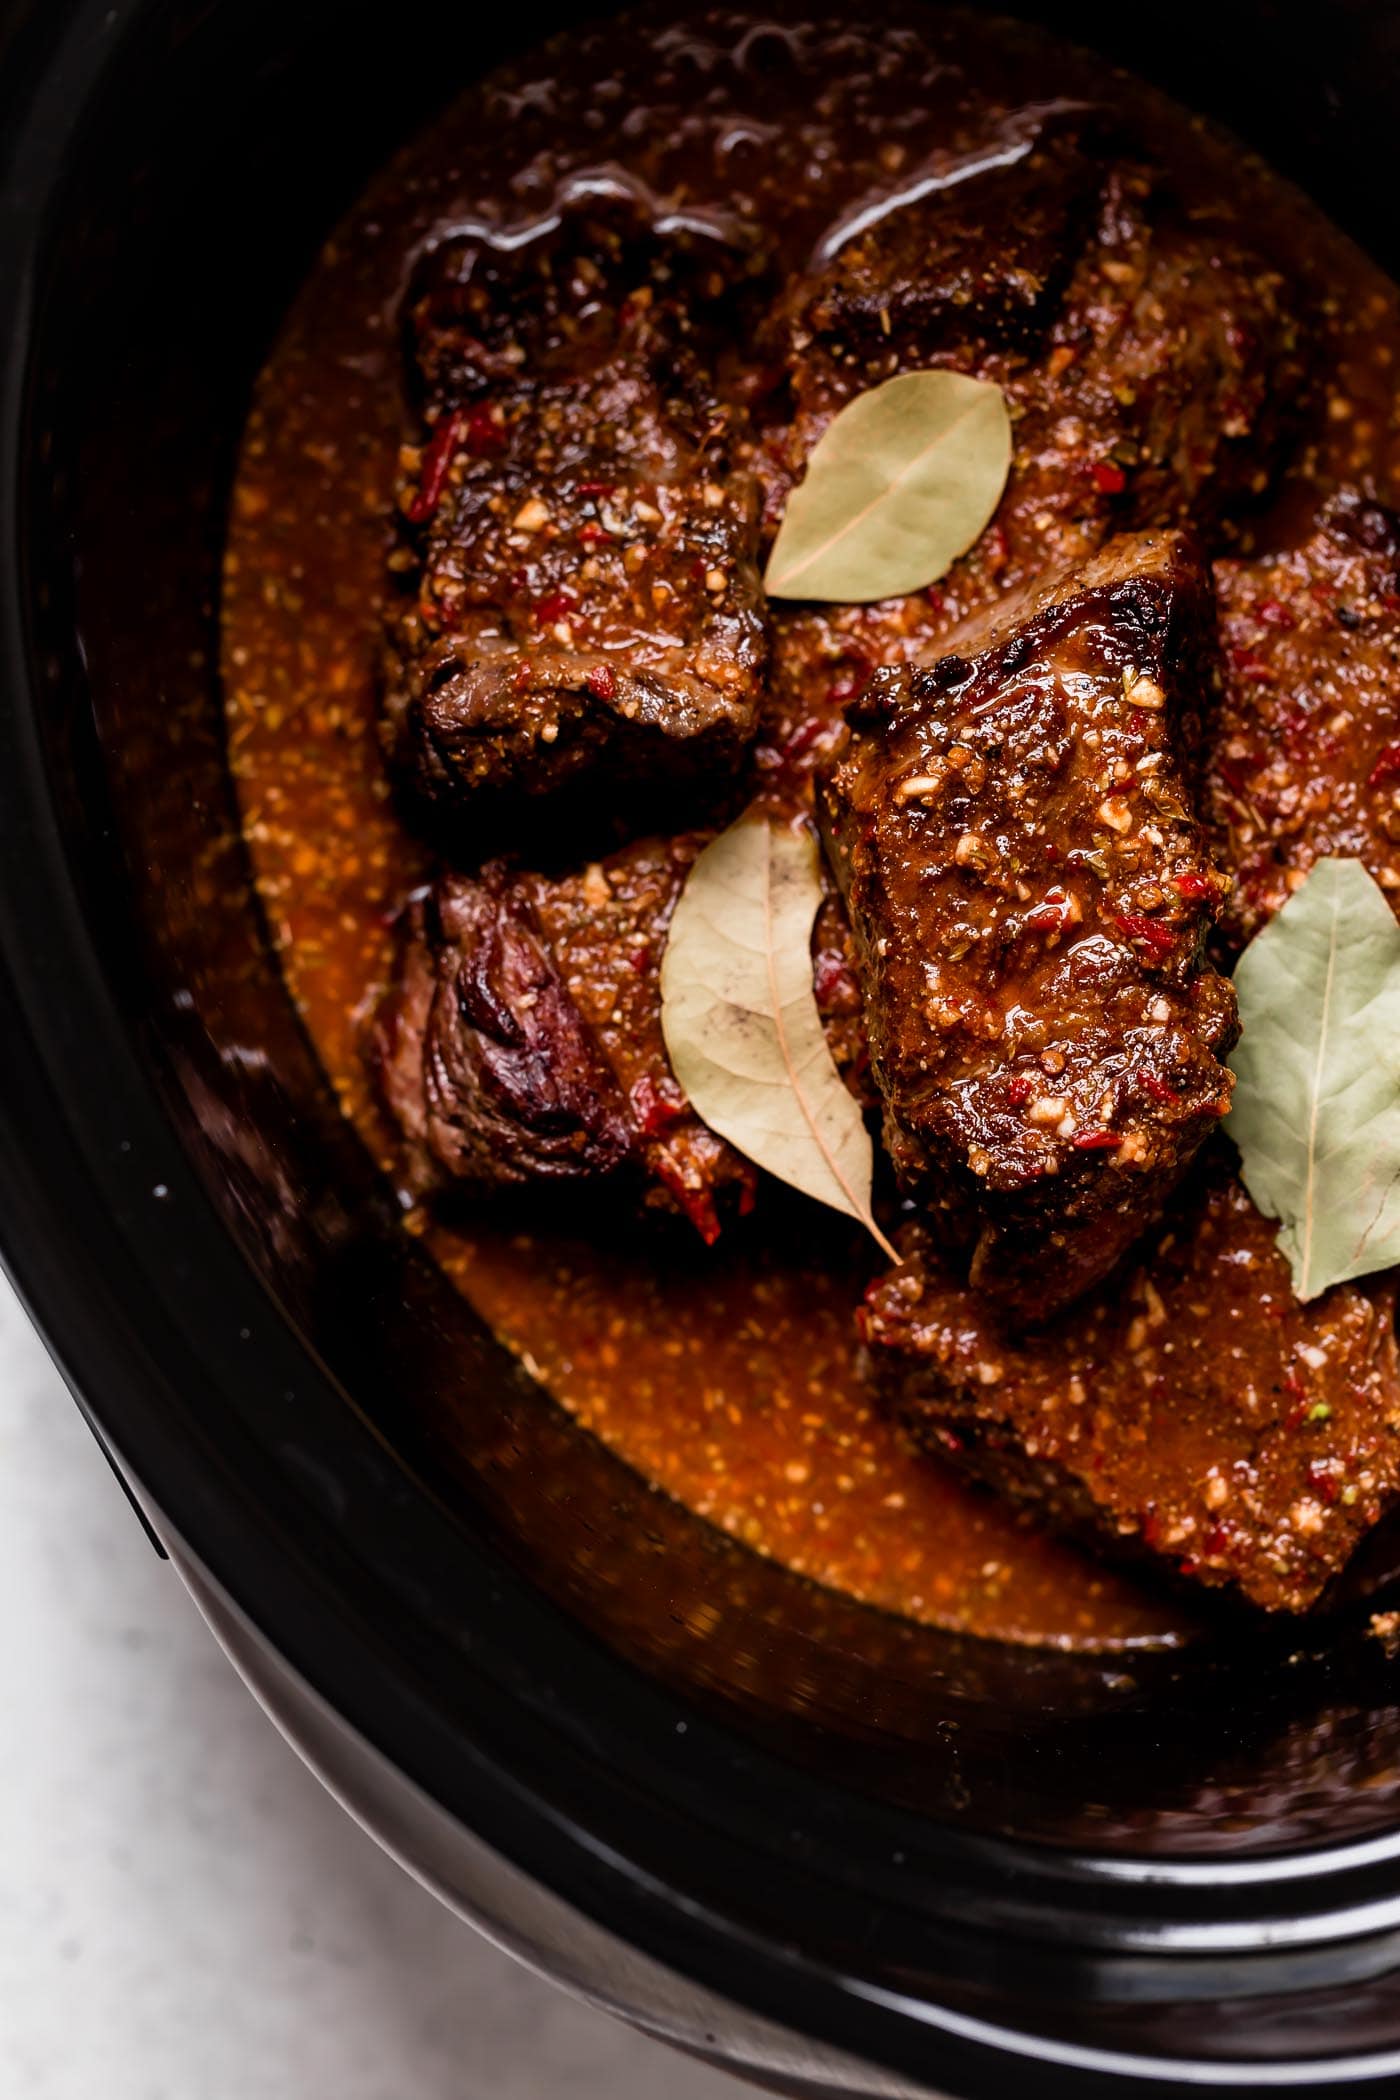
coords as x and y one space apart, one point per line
833 1851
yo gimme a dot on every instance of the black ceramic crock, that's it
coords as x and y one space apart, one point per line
844 1854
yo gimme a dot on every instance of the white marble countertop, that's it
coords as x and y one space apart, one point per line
184 1915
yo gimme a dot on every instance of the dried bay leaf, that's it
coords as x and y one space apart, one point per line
740 1019
904 480
1316 1112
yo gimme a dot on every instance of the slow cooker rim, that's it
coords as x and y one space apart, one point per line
114 1360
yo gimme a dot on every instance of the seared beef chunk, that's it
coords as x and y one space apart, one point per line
484 1058
489 312
1153 362
1030 897
975 252
1191 1408
521 1041
1306 760
1181 353
1154 368
588 619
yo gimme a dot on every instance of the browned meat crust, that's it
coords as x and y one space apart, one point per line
521 1041
484 1058
977 252
1191 1409
1156 368
587 618
1306 760
1030 896
1155 365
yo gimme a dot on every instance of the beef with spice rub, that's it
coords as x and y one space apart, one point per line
520 1043
586 620
1154 363
1030 895
1192 1410
1306 760
974 249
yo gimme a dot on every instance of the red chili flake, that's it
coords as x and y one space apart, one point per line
748 1190
803 737
1246 664
557 606
1021 1088
1238 774
1322 1482
1274 613
640 961
854 681
1151 1528
486 433
1301 733
1158 1089
432 475
1215 1541
596 488
1386 766
1135 927
831 978
949 1439
602 682
1187 1567
695 1204
1193 885
1097 1141
935 598
593 534
1051 915
656 1103
1109 479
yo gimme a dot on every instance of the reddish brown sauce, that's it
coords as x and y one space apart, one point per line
728 1378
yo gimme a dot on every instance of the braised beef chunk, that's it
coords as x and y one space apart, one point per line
1191 1409
587 618
1306 759
483 1056
489 311
1154 364
1182 353
1030 895
974 251
521 1041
